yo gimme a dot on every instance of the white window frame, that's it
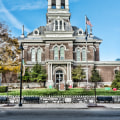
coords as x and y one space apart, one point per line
84 56
39 55
34 55
63 53
56 55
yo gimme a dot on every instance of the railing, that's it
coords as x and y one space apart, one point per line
56 99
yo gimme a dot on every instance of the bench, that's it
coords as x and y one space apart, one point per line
104 99
31 99
3 99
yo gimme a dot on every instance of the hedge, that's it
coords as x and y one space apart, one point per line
3 89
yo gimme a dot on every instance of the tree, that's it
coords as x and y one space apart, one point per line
26 76
116 81
78 74
95 78
38 73
8 51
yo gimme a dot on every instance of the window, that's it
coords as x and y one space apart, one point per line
83 54
60 25
39 55
116 72
78 54
53 4
62 4
56 53
94 54
56 25
33 55
61 53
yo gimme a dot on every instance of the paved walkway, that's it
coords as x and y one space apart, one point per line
59 106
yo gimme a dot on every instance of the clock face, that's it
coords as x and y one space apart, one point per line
36 32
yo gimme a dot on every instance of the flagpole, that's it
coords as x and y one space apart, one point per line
86 51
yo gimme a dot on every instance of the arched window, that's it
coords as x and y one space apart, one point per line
78 54
60 25
62 4
33 55
53 4
83 54
62 53
39 55
56 53
56 25
94 54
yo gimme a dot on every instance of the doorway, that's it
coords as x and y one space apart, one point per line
59 79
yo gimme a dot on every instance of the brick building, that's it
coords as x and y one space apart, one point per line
60 47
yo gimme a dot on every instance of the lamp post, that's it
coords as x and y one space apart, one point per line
86 61
21 48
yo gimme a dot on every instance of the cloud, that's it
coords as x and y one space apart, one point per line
10 18
29 5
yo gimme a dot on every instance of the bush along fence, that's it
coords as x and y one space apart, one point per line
59 99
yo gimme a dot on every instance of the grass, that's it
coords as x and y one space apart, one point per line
74 91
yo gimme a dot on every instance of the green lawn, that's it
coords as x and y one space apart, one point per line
74 91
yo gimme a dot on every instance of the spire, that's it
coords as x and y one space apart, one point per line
22 36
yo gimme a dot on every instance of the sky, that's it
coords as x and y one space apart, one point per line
103 14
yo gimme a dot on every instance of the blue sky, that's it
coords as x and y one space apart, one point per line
103 14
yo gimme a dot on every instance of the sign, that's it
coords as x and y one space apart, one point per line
114 89
70 86
107 88
68 100
50 86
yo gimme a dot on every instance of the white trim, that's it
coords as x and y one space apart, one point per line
35 31
63 46
59 68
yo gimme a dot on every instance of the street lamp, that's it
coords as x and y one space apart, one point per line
21 48
86 57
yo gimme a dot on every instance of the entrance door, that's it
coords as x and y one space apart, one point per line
60 79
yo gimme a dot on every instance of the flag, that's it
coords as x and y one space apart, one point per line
88 22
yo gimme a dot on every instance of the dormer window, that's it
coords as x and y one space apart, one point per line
53 4
62 4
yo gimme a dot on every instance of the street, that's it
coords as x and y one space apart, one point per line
60 114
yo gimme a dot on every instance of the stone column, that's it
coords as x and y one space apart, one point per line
49 4
58 4
51 71
70 71
49 83
58 25
69 80
48 71
54 26
63 25
66 4
67 73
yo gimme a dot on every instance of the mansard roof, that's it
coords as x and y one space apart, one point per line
41 30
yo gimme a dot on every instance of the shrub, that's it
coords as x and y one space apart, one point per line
106 86
3 89
116 81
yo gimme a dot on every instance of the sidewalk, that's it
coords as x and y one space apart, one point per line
59 106
46 106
